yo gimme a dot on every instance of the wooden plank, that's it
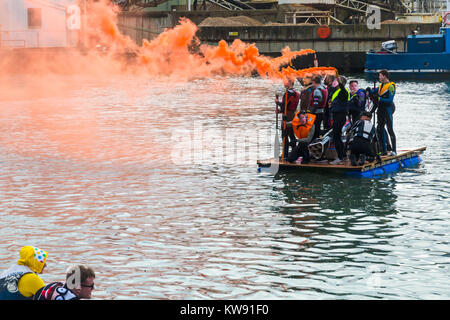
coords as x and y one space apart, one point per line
346 165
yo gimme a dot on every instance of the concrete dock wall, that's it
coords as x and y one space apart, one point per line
345 48
343 38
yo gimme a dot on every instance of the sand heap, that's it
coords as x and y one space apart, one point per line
237 21
395 22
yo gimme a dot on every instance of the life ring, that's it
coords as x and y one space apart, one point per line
446 18
324 32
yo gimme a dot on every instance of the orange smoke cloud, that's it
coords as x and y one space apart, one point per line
178 52
170 53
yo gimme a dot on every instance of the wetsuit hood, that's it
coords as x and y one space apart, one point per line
32 257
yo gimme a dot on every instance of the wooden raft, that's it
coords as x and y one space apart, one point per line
345 166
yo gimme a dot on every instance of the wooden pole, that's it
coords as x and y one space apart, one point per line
284 125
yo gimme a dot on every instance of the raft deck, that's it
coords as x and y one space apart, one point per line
388 164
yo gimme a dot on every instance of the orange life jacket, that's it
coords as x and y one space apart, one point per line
302 131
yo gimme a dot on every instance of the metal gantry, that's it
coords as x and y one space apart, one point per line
226 4
424 6
358 6
315 17
232 4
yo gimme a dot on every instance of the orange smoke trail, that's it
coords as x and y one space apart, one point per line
242 59
309 72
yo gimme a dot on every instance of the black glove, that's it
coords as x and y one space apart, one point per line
284 117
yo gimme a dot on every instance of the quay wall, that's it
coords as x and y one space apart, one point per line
345 48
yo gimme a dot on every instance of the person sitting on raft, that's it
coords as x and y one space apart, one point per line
288 107
21 282
303 128
360 141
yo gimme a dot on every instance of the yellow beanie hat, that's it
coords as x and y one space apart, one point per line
32 257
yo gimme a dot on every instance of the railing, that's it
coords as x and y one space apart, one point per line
315 17
140 3
232 4
226 4
51 4
22 44
21 37
423 6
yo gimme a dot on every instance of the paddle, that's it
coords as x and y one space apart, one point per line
283 155
276 151
274 166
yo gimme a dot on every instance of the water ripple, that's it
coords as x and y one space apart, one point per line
90 176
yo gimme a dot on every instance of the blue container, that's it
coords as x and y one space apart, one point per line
430 43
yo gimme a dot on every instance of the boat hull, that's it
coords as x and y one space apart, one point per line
409 65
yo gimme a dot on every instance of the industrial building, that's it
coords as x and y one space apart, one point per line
39 23
306 11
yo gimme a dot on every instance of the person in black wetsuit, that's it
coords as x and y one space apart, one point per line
331 84
339 109
360 139
385 111
318 101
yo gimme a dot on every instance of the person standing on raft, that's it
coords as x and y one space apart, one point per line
305 93
357 101
319 97
339 108
385 112
288 106
331 84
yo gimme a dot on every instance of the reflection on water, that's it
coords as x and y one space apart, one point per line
86 174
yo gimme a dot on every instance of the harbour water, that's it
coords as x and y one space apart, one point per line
112 173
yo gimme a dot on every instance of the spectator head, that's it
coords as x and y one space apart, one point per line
80 279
